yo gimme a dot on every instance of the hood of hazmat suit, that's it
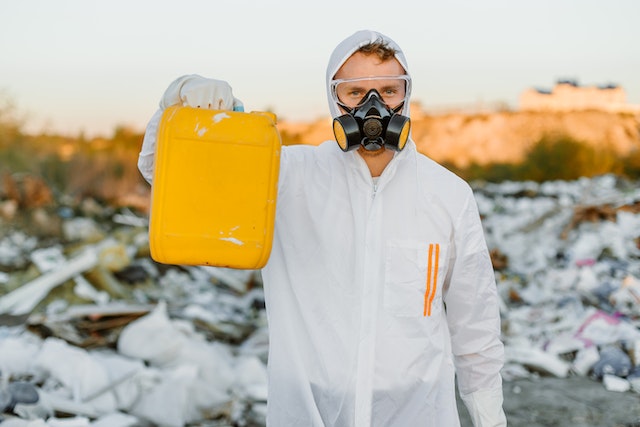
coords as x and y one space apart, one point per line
357 283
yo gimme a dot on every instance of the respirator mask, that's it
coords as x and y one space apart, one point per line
372 120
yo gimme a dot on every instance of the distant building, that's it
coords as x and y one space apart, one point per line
568 95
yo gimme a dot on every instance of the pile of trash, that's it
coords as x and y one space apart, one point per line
567 261
93 332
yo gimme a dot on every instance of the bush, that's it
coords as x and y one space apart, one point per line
564 158
631 164
558 157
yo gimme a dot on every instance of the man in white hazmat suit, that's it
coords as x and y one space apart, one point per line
379 288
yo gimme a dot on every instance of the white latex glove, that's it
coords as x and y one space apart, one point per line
189 90
200 92
485 407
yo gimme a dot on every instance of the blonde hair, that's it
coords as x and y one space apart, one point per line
379 48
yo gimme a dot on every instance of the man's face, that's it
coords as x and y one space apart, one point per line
361 73
354 80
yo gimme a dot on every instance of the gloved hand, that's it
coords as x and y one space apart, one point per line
200 92
189 90
485 407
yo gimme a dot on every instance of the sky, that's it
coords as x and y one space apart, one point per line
88 66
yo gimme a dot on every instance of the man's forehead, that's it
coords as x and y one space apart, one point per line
366 65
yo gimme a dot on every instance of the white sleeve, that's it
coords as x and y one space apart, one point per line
148 151
473 316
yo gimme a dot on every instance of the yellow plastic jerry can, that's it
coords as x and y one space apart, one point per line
214 188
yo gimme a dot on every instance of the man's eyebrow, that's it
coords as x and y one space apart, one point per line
354 85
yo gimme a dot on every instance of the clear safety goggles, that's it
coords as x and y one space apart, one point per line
394 90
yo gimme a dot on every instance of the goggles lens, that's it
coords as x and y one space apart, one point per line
394 90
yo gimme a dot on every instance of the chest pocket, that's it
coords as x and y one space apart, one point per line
414 274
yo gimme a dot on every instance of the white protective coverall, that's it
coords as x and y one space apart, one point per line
377 293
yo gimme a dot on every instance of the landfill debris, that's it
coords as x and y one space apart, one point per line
94 333
23 299
15 393
616 383
613 361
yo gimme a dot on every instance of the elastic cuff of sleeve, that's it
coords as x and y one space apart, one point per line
485 407
145 166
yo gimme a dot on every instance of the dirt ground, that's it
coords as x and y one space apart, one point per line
574 402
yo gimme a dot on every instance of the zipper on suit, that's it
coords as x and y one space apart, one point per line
368 317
